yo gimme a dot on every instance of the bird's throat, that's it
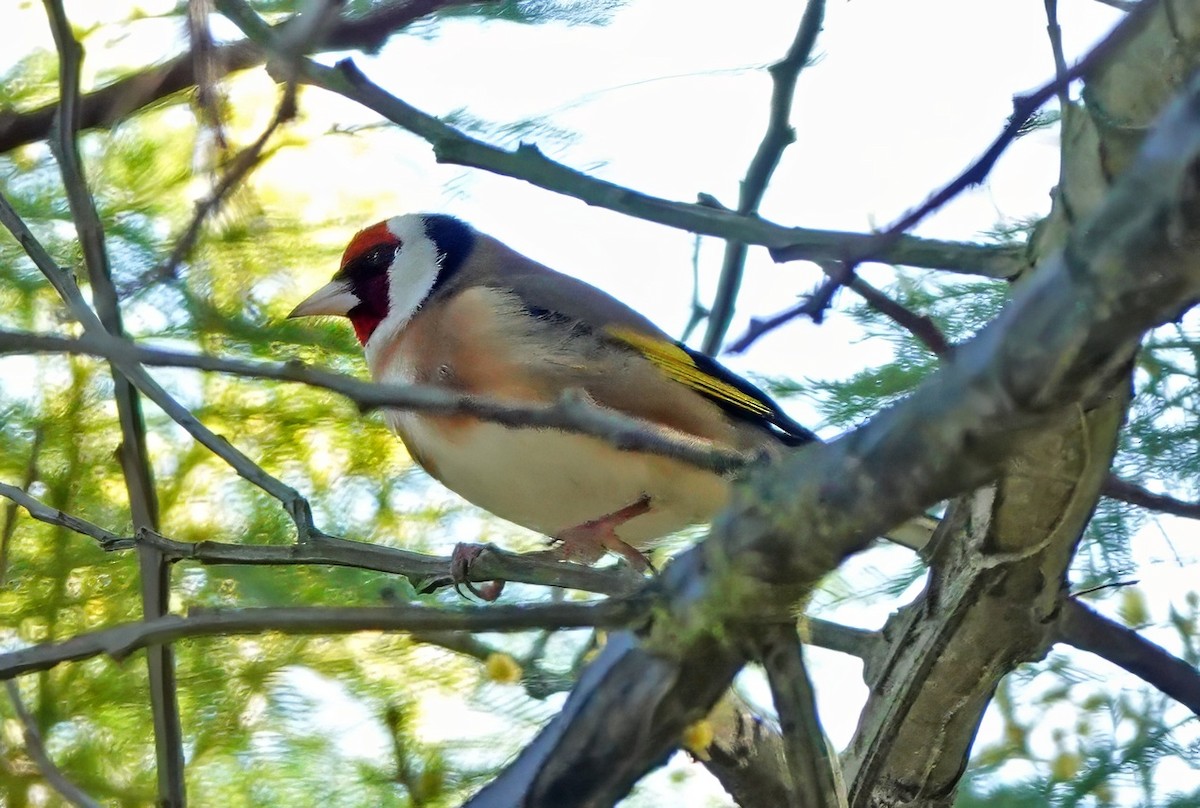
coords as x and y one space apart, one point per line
365 322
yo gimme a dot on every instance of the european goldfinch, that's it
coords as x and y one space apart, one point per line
435 302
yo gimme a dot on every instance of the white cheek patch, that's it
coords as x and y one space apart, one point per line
411 277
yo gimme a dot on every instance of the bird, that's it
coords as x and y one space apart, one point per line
433 301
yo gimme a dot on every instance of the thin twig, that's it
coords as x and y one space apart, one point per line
154 577
239 168
122 640
810 763
921 326
37 751
1125 491
527 163
1024 106
778 137
53 516
426 572
1054 31
813 306
572 412
1083 628
698 309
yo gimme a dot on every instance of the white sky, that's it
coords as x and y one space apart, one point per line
671 98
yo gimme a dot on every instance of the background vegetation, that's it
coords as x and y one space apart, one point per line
189 156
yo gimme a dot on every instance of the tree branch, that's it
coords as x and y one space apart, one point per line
527 163
239 168
154 573
841 270
1023 108
426 572
121 641
1067 332
815 780
295 505
108 105
779 136
572 412
1081 627
1125 491
10 512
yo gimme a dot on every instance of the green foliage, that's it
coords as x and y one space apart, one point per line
256 709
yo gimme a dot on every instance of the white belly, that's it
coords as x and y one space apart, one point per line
549 480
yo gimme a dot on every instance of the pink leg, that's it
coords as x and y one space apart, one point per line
589 541
584 543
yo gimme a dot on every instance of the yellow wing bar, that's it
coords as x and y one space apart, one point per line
683 366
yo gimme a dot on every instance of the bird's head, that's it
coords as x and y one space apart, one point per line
389 270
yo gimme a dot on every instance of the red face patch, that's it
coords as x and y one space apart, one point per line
364 240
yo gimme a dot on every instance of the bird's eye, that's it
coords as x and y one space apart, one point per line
380 257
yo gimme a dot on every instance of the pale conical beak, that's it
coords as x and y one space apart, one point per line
334 297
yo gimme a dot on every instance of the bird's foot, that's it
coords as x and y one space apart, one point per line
587 542
460 566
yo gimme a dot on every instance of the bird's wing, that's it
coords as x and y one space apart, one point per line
712 380
572 304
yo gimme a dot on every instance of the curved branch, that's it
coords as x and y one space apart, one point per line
527 163
1081 627
1023 108
1125 491
36 750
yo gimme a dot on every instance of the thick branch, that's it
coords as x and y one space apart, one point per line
810 762
1062 339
